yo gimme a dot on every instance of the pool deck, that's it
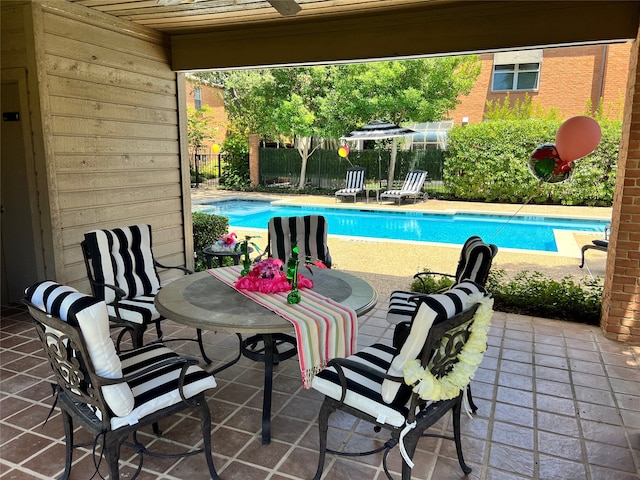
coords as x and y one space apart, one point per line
390 264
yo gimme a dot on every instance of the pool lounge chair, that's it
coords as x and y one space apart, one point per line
601 245
411 188
354 184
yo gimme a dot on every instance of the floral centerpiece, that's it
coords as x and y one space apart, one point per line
269 276
226 243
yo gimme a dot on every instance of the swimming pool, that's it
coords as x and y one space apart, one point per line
506 231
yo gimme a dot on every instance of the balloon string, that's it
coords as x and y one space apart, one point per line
535 192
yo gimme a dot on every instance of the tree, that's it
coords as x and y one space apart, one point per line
310 103
199 130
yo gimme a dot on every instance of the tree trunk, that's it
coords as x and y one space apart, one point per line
304 144
392 163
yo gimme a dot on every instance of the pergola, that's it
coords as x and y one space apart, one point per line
101 140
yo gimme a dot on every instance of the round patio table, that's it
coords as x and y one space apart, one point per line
204 302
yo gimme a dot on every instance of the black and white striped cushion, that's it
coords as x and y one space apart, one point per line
89 315
159 388
123 257
364 391
412 185
354 183
475 261
386 399
433 309
474 264
308 232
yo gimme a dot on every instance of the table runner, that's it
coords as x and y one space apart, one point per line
324 328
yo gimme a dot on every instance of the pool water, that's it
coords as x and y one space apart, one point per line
506 231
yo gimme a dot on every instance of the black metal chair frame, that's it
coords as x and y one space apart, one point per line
453 329
79 393
136 330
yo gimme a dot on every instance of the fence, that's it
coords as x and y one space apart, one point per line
327 170
204 165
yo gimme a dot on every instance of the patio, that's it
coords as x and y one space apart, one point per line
556 401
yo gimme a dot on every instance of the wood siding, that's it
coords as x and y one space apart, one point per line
110 114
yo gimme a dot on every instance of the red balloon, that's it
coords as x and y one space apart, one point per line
577 138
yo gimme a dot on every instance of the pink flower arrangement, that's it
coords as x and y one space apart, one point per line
268 276
226 242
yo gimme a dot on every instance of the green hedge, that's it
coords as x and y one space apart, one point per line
532 294
488 162
207 229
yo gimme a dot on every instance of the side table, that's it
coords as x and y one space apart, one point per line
209 252
368 190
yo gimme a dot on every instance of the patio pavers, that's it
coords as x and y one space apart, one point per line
556 400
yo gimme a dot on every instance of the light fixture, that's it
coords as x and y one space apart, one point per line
286 8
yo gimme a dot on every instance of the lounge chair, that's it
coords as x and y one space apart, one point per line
411 188
354 184
601 245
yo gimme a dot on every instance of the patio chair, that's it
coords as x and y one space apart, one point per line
411 188
354 184
309 232
474 264
370 385
122 272
112 395
601 245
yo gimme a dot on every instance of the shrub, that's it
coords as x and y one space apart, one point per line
533 294
431 283
207 229
488 162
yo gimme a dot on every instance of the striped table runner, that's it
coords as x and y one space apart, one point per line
324 328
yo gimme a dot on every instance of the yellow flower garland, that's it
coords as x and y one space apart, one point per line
427 386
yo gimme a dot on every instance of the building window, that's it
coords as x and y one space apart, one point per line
197 97
518 70
519 76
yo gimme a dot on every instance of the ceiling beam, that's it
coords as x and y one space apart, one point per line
433 28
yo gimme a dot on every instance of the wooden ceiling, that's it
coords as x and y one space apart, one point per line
218 34
201 15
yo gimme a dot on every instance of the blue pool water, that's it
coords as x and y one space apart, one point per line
521 232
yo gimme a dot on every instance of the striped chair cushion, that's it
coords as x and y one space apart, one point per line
432 310
354 182
309 232
137 310
386 399
364 391
474 264
158 389
90 315
475 261
123 257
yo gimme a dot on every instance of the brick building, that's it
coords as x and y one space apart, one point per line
568 79
199 95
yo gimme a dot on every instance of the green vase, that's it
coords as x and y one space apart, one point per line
292 275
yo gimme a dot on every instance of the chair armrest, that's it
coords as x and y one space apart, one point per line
183 269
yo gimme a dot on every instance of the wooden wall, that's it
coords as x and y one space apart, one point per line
113 137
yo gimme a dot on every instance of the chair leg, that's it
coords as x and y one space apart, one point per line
111 448
205 421
410 444
323 427
474 407
68 436
201 345
159 329
456 435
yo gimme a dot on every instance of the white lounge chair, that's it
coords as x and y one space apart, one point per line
354 183
411 188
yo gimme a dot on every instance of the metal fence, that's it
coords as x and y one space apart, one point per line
327 170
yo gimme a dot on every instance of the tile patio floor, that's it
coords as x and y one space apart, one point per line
556 401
